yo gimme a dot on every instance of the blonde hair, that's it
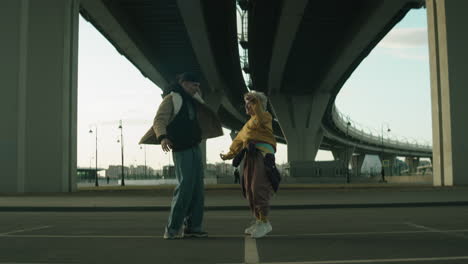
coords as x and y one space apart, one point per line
261 97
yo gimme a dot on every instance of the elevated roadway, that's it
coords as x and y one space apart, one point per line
164 38
300 54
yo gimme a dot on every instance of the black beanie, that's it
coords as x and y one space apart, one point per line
188 77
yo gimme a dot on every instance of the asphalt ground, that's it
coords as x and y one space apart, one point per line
333 235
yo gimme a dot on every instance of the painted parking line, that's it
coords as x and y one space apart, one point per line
114 236
395 260
10 234
434 230
25 263
79 236
24 230
422 227
250 251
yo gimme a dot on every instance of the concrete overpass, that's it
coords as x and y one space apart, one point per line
195 42
300 52
166 37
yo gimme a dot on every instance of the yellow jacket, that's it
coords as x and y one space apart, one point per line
258 128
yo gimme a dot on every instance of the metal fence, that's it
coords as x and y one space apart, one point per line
371 136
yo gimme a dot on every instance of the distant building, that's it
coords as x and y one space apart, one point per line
220 171
168 172
87 174
115 171
132 172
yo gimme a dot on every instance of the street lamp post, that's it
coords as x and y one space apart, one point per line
382 136
347 154
146 168
96 183
122 183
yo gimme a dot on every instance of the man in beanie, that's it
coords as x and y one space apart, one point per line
182 121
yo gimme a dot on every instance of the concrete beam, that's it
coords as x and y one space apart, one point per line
343 154
213 100
289 21
356 164
361 43
234 111
194 20
448 54
110 27
195 23
413 163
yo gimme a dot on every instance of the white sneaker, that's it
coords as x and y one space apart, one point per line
261 229
249 230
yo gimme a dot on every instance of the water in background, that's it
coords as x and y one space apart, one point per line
154 182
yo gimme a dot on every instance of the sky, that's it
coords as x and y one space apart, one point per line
389 89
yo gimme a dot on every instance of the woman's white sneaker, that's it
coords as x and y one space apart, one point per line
249 230
261 229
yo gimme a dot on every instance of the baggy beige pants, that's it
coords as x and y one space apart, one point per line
257 186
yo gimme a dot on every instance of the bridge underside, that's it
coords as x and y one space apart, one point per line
301 52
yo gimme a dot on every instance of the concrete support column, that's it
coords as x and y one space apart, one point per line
343 155
356 164
448 55
413 163
298 117
213 100
38 95
389 165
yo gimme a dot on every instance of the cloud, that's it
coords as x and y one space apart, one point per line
406 43
405 38
409 54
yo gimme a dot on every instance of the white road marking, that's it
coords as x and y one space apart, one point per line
23 263
78 236
109 236
9 234
24 230
349 233
433 230
250 251
422 227
365 233
372 260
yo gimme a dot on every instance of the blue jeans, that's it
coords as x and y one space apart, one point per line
188 200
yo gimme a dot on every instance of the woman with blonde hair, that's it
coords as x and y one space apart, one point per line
254 145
